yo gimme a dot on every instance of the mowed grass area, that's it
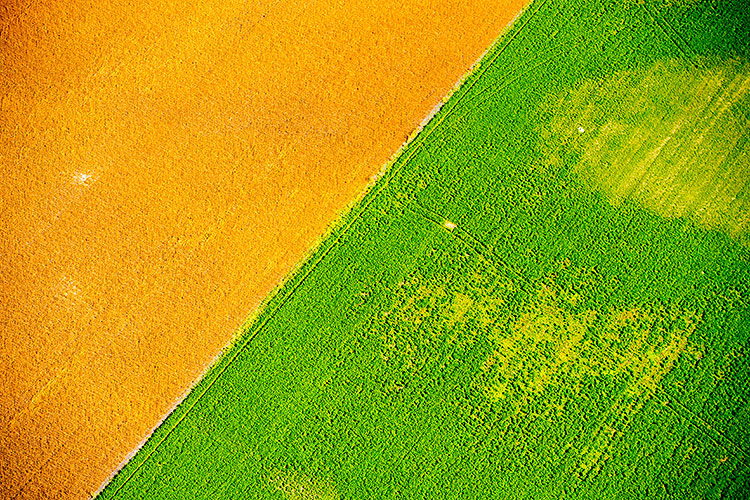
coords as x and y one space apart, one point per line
530 303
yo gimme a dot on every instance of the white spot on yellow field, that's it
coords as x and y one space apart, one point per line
67 292
81 178
450 226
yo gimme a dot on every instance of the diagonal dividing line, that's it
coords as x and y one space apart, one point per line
317 256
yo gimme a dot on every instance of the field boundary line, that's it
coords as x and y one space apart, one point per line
552 52
465 237
460 94
136 308
484 66
338 231
138 305
673 37
698 422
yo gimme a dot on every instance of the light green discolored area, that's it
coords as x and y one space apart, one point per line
673 136
517 309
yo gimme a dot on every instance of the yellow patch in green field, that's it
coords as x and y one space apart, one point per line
297 487
553 349
551 343
541 347
671 137
541 352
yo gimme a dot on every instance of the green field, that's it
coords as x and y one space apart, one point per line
546 295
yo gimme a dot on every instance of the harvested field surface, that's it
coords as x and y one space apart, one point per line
535 301
163 166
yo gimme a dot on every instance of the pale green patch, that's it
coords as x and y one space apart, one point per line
671 137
